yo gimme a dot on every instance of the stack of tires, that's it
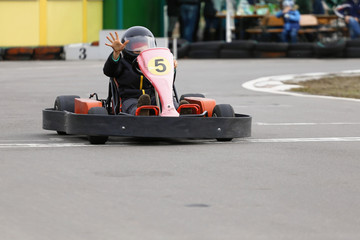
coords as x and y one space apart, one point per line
201 50
270 50
238 49
352 49
301 50
330 49
48 53
1 53
18 53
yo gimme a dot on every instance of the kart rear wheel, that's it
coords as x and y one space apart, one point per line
223 110
65 103
98 139
192 95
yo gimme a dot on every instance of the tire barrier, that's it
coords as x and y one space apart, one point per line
1 53
18 53
48 53
301 50
217 49
183 51
270 50
254 49
238 49
209 49
352 49
331 49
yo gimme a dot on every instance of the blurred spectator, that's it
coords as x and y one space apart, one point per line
318 7
291 18
212 23
350 12
189 14
173 11
330 5
305 6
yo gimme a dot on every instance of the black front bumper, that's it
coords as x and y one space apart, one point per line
152 126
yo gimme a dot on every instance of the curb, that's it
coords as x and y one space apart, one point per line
276 85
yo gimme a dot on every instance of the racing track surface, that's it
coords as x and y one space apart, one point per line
297 177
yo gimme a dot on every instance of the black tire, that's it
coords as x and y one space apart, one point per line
98 139
228 53
300 54
203 54
210 46
223 110
352 52
65 103
1 53
246 45
301 46
191 95
331 49
271 47
353 43
183 51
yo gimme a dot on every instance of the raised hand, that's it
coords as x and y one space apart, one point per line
116 44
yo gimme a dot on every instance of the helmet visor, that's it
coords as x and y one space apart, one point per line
139 43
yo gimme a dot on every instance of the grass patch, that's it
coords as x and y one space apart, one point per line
336 86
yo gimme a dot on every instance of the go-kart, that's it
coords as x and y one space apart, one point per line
101 118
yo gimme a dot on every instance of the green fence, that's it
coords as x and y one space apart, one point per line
122 14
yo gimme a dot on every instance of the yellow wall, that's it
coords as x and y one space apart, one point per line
64 20
49 22
19 23
94 19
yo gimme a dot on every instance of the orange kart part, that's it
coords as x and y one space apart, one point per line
195 108
83 105
205 104
154 110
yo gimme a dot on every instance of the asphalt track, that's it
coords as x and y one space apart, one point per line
297 177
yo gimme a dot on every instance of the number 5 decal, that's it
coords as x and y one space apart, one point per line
159 66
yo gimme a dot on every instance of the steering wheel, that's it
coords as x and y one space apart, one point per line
135 66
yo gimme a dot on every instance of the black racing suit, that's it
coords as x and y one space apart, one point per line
131 84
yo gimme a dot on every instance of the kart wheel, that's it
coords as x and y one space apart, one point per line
65 103
98 139
192 95
223 110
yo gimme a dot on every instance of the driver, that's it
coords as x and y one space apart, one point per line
135 90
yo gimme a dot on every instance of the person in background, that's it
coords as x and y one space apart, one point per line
350 12
212 23
305 6
189 15
173 11
291 18
318 7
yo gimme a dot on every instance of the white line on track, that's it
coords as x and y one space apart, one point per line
306 124
297 140
274 84
245 140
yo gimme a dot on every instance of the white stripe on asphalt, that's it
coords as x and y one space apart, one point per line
250 140
298 140
274 84
306 124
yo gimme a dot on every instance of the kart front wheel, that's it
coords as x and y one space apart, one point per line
65 103
98 139
223 110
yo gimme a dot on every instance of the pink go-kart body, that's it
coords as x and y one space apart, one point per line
157 64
